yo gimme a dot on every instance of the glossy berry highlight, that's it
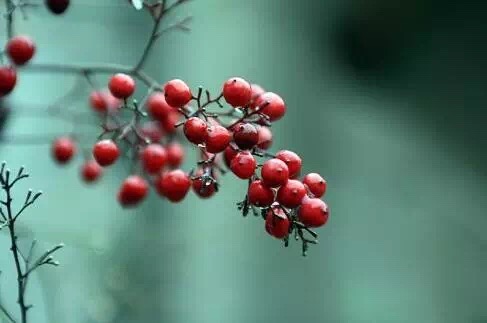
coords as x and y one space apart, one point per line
121 86
177 93
237 92
106 152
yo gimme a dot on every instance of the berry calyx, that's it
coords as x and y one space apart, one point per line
63 149
157 106
245 135
174 185
276 223
153 157
316 184
8 79
177 93
196 130
218 139
313 212
292 160
91 171
121 86
237 92
274 172
57 7
272 105
175 154
265 138
291 194
133 191
105 152
259 194
243 165
20 49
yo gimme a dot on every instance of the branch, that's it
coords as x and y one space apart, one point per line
7 314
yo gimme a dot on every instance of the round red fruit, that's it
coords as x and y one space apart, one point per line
245 135
158 107
229 154
274 172
276 223
237 92
272 105
63 150
121 85
154 158
175 154
313 212
218 139
291 194
243 165
91 171
8 79
259 194
133 191
202 187
316 184
177 93
152 131
292 160
174 185
102 101
57 7
170 121
257 91
105 152
20 49
196 130
265 138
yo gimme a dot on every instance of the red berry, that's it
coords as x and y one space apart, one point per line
245 136
133 191
63 149
265 138
313 212
152 131
177 93
153 158
195 130
158 107
292 160
274 172
170 121
203 191
218 139
259 194
276 223
272 105
105 152
91 171
257 91
229 154
8 79
57 7
237 92
20 49
121 85
174 185
175 154
243 165
102 101
291 194
316 184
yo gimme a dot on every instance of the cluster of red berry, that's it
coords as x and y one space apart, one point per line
21 49
238 137
286 203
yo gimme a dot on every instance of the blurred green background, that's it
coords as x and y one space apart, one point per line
385 98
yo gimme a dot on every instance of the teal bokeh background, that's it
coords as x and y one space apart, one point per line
384 98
